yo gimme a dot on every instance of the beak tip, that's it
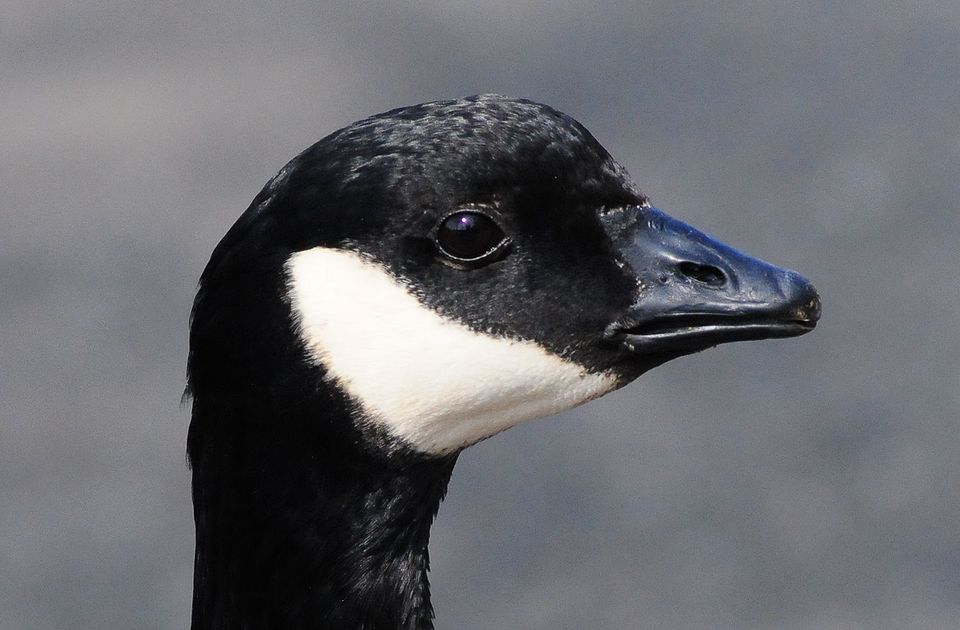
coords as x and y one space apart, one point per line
801 293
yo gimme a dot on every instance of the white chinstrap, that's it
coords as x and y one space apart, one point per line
429 380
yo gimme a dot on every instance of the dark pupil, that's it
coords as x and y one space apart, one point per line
468 235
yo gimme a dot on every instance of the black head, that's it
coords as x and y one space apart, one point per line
500 219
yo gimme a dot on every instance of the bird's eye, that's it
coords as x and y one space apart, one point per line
470 237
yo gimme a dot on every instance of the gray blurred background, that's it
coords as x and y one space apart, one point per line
810 483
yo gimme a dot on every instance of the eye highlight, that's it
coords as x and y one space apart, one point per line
469 236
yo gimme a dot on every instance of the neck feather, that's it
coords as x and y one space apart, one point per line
297 526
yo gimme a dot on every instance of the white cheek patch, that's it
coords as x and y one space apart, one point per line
428 380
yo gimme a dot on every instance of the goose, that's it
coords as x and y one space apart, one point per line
410 285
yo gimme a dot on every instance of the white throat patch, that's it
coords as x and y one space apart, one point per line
428 380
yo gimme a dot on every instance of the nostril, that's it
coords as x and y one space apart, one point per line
706 274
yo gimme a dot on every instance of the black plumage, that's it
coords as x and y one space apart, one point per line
308 513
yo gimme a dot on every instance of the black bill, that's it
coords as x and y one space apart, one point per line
696 292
